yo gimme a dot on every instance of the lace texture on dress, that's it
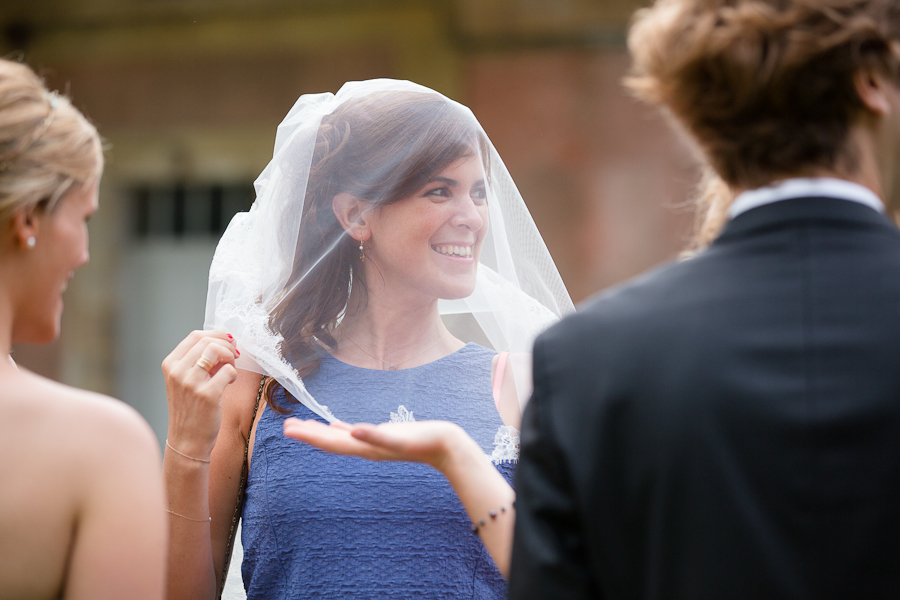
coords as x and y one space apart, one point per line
402 415
506 445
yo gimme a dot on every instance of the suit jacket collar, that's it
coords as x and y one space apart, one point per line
805 187
797 210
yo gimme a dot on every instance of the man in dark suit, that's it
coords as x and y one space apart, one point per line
729 426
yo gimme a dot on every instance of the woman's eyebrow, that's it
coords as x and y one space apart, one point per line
453 182
447 180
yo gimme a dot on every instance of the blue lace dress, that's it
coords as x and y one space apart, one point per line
318 525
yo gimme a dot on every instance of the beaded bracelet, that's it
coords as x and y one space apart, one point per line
493 517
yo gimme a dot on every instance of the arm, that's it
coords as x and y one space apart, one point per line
228 456
444 446
118 549
549 556
205 423
482 491
506 391
520 365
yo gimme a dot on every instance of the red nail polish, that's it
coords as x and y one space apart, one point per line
230 337
237 351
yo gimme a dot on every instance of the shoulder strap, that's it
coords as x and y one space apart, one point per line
238 505
499 374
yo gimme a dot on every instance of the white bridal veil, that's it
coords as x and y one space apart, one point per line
265 254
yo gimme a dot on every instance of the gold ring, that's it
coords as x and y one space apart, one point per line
204 363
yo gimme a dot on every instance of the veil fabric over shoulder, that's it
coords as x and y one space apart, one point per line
256 268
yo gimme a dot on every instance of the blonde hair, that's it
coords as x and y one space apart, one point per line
46 144
765 86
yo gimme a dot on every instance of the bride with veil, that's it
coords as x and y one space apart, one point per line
389 271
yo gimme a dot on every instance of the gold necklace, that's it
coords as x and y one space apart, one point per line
393 366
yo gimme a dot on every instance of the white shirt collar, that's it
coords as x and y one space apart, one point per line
819 187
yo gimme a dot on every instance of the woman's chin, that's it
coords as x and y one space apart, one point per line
458 292
38 332
37 336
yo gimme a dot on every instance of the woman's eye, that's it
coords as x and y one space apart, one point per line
479 194
441 192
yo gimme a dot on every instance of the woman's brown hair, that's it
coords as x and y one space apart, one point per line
381 148
765 86
46 145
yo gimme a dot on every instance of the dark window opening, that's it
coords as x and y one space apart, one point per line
182 210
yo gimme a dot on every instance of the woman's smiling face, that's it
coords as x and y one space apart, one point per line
429 243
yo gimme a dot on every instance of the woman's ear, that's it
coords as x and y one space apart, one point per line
24 227
351 213
872 86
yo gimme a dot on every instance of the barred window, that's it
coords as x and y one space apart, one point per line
181 210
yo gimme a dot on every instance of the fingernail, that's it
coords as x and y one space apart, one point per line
237 351
230 337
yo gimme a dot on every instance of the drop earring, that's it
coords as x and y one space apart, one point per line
31 242
362 253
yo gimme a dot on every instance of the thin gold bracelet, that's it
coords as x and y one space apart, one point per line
183 454
207 520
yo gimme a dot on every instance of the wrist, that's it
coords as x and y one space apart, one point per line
188 450
459 452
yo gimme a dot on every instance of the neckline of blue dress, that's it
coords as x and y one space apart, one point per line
469 346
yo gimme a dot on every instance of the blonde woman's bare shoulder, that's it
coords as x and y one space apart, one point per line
68 419
80 442
87 490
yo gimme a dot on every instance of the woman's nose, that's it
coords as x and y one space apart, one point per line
469 214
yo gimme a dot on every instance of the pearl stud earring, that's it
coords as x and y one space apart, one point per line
31 242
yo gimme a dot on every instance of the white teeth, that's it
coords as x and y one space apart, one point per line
461 251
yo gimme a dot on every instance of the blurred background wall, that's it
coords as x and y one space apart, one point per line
188 93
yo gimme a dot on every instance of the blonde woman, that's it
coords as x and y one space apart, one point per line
81 512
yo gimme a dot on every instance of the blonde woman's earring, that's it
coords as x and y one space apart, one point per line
31 242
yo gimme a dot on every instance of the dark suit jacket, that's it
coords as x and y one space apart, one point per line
725 427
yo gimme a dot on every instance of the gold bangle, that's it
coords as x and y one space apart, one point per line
207 520
183 454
